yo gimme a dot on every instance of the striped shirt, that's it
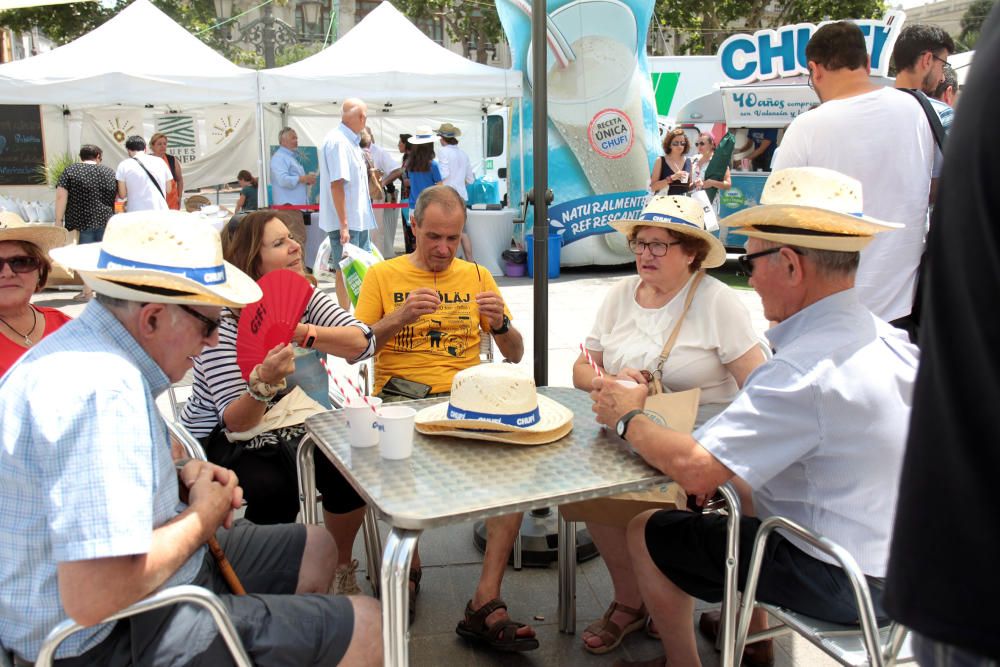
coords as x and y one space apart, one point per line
85 471
217 378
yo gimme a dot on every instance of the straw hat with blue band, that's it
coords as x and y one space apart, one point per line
499 403
423 135
160 257
448 130
680 215
810 207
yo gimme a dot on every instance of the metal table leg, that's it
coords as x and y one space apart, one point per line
567 575
373 550
306 465
399 548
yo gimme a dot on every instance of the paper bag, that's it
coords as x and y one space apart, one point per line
293 409
678 411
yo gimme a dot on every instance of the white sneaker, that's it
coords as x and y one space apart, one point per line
344 581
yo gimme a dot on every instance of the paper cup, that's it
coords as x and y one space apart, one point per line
395 423
362 422
684 176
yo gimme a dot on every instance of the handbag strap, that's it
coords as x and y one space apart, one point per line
151 177
657 374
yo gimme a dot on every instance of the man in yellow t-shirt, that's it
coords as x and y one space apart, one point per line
431 308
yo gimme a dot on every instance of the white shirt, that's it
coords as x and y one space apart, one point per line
819 430
881 138
340 158
382 159
285 173
716 331
456 170
142 194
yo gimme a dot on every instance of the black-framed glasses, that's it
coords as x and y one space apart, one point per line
700 143
746 261
656 248
20 263
208 324
940 60
809 80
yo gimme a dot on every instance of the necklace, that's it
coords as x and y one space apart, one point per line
34 322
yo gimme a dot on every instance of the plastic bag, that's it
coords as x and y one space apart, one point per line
354 266
711 219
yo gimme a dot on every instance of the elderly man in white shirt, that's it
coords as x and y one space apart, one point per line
818 432
345 205
289 181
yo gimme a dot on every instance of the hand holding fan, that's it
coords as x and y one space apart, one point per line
272 320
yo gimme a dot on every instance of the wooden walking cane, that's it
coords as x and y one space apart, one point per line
225 567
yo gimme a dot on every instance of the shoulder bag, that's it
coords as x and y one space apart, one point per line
156 184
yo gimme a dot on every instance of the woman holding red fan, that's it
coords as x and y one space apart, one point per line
224 403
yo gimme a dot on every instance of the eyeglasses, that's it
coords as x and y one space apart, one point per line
20 263
208 325
940 60
746 261
809 81
656 248
700 143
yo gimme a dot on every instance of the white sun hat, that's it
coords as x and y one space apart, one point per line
423 135
681 215
496 402
14 228
810 207
160 257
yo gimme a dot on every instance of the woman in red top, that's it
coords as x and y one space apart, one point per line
24 268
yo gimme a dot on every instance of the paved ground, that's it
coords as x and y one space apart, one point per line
451 561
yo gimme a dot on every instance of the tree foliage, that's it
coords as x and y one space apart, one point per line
703 26
471 24
972 22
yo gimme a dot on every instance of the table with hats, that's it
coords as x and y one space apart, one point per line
541 448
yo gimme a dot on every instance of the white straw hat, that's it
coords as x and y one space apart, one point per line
161 257
810 207
423 135
448 130
496 402
681 215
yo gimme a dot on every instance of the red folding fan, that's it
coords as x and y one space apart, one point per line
272 320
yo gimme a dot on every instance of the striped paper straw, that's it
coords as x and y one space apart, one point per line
590 360
341 388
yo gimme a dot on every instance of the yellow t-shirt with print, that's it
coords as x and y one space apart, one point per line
436 346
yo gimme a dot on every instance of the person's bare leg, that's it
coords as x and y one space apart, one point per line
610 542
670 607
467 248
318 560
500 534
344 529
343 300
365 649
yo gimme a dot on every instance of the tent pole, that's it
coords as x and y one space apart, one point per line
520 147
261 158
539 135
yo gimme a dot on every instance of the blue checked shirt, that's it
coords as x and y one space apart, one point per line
85 471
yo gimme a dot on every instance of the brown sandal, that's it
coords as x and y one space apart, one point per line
501 636
609 632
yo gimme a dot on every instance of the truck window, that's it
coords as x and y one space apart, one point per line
494 136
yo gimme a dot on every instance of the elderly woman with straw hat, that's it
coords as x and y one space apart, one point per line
24 268
714 350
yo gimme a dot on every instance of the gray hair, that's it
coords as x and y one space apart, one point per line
444 196
284 132
831 263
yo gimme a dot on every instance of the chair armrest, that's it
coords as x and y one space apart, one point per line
191 446
169 596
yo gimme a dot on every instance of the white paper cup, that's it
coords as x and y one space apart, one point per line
362 423
684 176
395 423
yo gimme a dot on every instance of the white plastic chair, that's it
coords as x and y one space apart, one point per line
852 645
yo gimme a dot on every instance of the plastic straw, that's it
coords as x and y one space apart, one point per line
341 388
590 360
561 50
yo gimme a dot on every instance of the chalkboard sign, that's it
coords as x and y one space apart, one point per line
21 147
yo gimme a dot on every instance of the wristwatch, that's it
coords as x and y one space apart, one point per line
503 328
622 426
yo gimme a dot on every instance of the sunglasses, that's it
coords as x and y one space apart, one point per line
208 325
700 143
746 261
20 263
678 143
656 248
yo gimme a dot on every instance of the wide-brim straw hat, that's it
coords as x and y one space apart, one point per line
810 207
680 215
448 130
46 237
423 135
160 257
498 403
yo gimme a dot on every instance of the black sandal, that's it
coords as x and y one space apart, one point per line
415 575
501 636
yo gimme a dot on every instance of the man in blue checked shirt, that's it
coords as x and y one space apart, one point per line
90 516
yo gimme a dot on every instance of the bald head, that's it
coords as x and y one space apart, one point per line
354 114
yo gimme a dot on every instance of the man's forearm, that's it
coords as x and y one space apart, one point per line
387 327
511 345
339 202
